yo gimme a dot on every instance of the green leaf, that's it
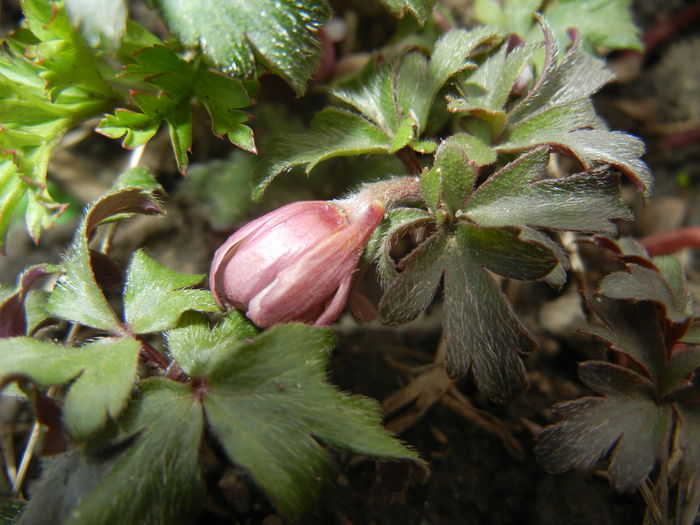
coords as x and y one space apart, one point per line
103 374
49 83
193 343
397 222
421 9
688 439
345 132
519 194
236 34
626 421
155 297
489 341
639 283
456 173
176 82
679 368
157 478
633 329
513 16
485 91
77 297
390 103
62 50
414 288
603 23
557 111
482 333
99 21
267 400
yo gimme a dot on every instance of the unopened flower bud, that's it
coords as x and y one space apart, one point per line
295 263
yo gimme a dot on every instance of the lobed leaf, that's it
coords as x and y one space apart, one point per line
631 427
151 474
177 82
390 106
520 195
41 98
103 374
268 403
193 343
155 297
334 132
77 297
639 283
235 35
634 330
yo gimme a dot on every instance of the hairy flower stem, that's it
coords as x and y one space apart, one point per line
391 192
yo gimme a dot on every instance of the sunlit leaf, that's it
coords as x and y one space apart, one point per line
155 296
235 35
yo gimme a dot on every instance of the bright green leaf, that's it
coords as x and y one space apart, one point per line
267 400
193 343
77 296
104 373
155 297
604 23
236 34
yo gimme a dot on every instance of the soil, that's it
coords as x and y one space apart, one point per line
477 473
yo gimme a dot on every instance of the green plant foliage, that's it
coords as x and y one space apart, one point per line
642 404
557 110
389 105
77 296
177 82
235 35
276 385
155 297
601 23
49 83
149 473
496 225
266 401
103 374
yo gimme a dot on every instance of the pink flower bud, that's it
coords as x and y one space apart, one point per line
295 263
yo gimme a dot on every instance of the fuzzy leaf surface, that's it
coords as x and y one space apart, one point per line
155 297
633 329
267 402
489 341
388 108
626 421
77 297
519 194
639 283
236 35
103 372
153 475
